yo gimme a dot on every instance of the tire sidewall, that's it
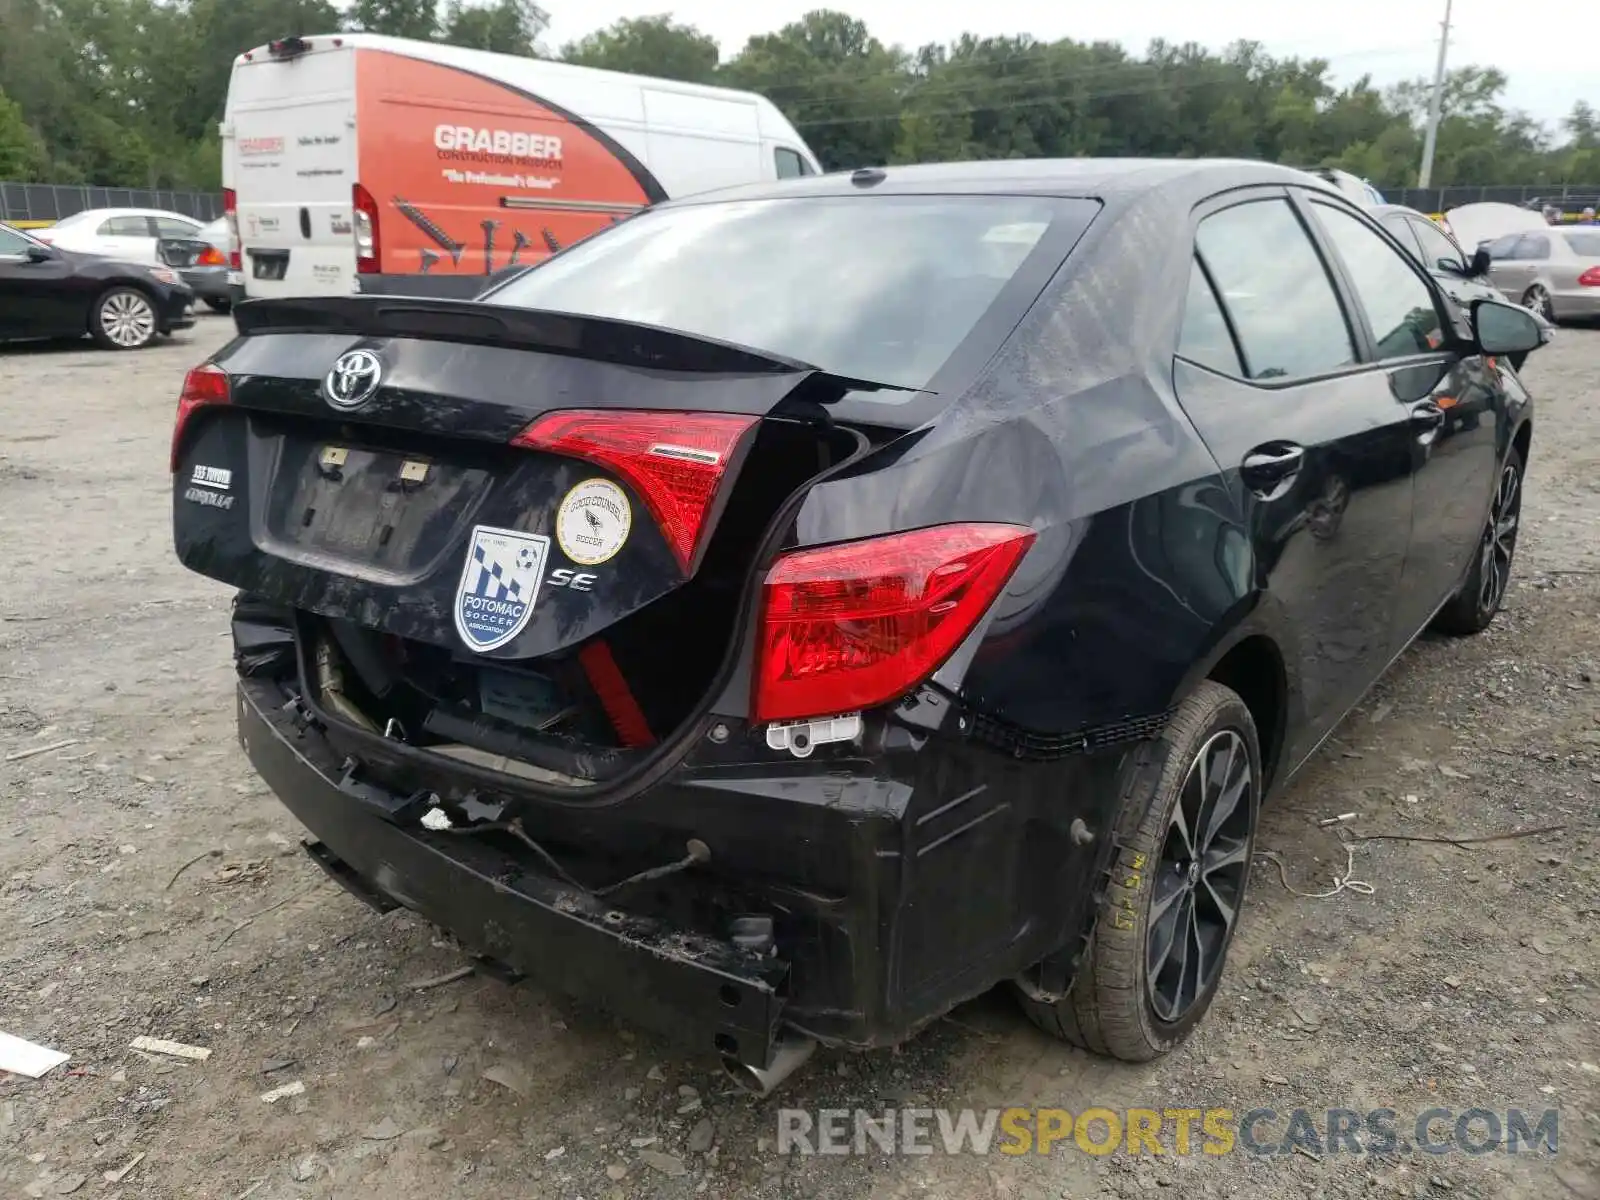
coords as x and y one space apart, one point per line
1473 588
97 323
1141 830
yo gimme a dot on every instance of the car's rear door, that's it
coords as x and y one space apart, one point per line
129 238
1278 381
1454 401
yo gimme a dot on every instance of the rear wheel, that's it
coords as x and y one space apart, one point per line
1185 830
1484 590
1536 299
218 306
123 318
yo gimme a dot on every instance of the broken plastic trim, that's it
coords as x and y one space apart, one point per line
652 766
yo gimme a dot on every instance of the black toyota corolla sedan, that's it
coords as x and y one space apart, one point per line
797 609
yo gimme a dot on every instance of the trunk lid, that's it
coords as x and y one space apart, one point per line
364 472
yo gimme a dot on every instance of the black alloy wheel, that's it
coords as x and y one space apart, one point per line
1483 592
1199 882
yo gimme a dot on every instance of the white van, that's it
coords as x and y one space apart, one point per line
354 162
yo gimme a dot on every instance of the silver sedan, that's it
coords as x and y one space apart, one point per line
1555 272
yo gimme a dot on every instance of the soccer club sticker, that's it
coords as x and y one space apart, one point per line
593 521
499 585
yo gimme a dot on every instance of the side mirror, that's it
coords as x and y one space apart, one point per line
1504 328
39 254
1480 262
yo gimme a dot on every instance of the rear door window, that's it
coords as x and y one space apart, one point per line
1401 226
1533 246
1273 284
1399 303
171 227
1437 248
1205 339
126 227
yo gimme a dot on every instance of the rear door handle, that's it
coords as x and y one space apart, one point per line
1267 468
1427 417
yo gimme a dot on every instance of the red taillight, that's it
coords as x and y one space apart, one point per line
210 257
364 214
859 624
205 385
230 210
674 461
1590 278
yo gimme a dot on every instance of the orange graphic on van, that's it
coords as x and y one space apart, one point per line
470 175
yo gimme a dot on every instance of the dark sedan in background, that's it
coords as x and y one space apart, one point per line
1465 277
202 262
48 292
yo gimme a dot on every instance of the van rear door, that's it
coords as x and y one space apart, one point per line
292 146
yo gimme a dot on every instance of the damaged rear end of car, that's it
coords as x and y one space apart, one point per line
527 640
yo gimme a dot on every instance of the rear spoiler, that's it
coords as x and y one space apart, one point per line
476 322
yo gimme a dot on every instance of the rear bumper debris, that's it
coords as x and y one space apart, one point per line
850 897
716 993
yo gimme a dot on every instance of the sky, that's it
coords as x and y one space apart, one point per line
1390 39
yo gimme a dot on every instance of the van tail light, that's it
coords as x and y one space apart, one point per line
364 220
203 387
1590 278
230 210
674 461
858 624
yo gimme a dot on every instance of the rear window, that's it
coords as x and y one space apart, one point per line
1584 245
881 288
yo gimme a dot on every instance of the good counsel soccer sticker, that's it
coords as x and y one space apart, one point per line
593 521
499 585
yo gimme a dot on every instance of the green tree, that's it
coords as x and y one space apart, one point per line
22 158
398 18
1583 126
840 86
504 26
648 46
130 92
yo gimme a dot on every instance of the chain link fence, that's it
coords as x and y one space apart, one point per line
1570 198
31 204
44 203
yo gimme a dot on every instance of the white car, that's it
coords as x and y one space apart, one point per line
128 234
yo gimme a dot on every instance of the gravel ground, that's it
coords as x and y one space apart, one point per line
1467 978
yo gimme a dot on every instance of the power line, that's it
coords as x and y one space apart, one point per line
1192 81
1039 49
1177 77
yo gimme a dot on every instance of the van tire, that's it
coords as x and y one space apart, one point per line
1111 1007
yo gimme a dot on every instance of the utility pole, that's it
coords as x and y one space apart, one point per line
1436 105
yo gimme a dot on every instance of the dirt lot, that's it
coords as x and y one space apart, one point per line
1467 978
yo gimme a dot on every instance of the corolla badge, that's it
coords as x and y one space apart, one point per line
355 375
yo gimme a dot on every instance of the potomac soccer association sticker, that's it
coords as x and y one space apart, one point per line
593 521
499 585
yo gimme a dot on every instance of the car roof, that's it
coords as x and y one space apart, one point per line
130 212
1106 179
1380 210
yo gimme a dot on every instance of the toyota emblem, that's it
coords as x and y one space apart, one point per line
353 378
